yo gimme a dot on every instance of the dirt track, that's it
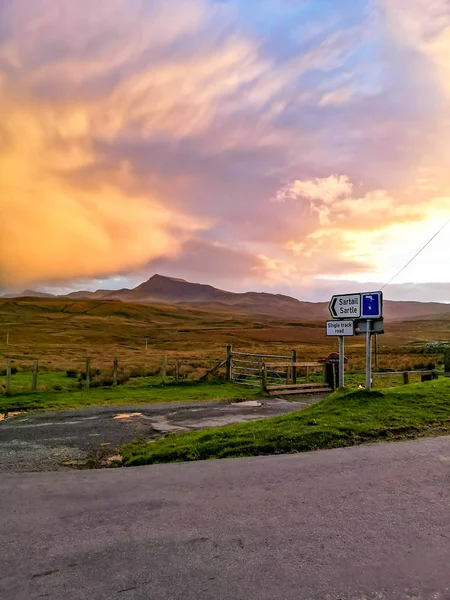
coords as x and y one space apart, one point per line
66 439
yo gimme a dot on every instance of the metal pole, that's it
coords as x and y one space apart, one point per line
341 361
369 355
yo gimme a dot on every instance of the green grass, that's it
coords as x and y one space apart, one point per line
59 381
344 418
21 381
126 394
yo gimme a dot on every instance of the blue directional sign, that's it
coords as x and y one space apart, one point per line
372 305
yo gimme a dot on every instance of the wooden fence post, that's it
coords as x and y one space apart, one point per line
294 369
35 376
8 377
288 375
307 375
447 360
229 362
263 377
405 377
177 371
115 369
88 373
164 368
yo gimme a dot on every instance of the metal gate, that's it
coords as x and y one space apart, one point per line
246 367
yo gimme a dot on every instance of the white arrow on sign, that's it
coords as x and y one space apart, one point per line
347 306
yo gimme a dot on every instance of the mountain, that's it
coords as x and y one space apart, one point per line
170 290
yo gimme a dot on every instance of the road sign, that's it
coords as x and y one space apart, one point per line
340 328
347 306
372 305
376 326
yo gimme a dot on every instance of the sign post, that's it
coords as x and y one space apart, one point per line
371 308
341 361
361 314
368 356
341 329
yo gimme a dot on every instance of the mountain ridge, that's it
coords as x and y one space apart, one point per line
171 290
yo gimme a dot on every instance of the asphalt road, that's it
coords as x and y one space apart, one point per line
49 441
371 522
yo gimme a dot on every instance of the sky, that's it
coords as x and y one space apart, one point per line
288 146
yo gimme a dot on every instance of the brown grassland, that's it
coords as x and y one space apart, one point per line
61 333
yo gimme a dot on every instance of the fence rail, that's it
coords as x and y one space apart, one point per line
425 374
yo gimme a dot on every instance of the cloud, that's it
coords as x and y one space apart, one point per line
156 136
218 263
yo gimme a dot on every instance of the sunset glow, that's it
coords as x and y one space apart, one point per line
294 147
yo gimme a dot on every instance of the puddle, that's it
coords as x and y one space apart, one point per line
3 417
116 457
162 425
127 415
254 403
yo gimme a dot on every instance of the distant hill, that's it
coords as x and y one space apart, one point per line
85 295
410 309
29 294
170 290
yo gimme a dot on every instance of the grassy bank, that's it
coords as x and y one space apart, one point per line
126 394
342 419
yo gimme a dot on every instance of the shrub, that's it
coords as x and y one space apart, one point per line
424 366
72 373
108 382
101 382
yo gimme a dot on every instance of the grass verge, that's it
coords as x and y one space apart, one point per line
135 394
343 419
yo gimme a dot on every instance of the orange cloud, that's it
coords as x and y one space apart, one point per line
365 232
54 230
133 132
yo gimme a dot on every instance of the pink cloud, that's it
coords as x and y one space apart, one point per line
143 134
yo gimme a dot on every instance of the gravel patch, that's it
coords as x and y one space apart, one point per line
91 437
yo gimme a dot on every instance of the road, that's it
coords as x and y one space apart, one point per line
371 522
49 441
